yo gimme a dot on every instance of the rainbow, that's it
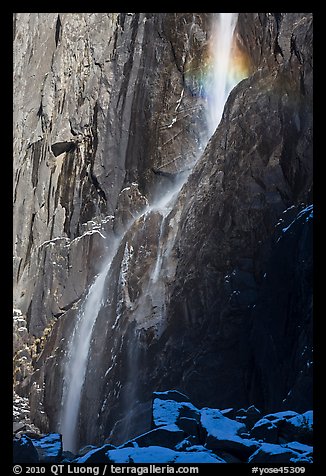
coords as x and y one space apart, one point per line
199 73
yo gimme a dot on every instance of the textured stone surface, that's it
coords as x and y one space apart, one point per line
228 321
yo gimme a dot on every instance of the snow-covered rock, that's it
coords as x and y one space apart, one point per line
269 453
157 454
168 412
174 395
224 434
97 455
298 428
167 436
249 417
286 415
48 447
265 430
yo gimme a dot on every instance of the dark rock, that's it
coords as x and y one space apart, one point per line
268 453
299 428
168 412
67 457
96 455
49 447
174 395
188 425
157 454
265 430
224 435
24 451
166 436
229 412
17 426
253 415
229 458
187 443
300 448
86 449
61 147
244 336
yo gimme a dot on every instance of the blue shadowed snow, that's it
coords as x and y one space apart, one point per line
158 454
222 432
300 447
51 444
269 452
280 415
166 412
304 420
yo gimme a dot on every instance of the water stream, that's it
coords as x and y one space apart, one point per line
79 345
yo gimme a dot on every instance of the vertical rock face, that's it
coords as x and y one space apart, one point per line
210 295
101 101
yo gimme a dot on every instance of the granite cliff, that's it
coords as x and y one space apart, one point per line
208 291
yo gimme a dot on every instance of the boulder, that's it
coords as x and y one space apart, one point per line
189 442
157 454
86 449
168 412
307 450
188 425
286 415
48 447
167 436
24 451
174 395
96 455
67 457
299 428
265 430
223 434
252 416
269 453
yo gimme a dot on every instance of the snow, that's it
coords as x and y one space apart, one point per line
268 449
51 242
219 426
179 100
152 454
88 233
174 120
300 447
279 415
199 457
174 395
158 454
166 412
51 444
306 419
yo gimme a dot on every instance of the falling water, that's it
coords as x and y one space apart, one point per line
77 359
79 346
221 83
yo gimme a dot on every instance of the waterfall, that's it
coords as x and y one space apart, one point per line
78 349
79 345
220 83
